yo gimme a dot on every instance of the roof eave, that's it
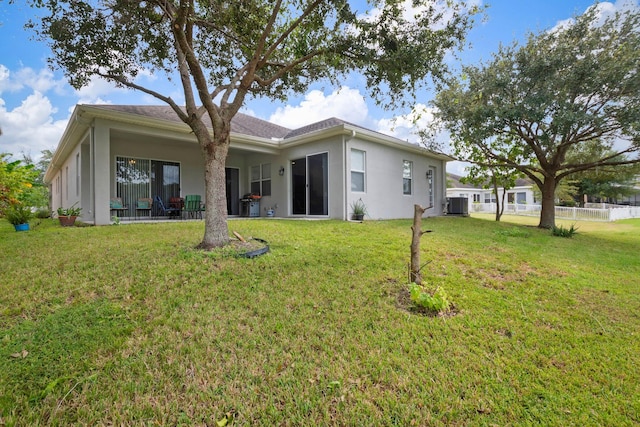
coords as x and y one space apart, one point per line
74 131
83 117
395 142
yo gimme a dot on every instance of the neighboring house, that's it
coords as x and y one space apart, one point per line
522 193
632 199
316 171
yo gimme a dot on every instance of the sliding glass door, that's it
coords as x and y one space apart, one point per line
144 178
310 185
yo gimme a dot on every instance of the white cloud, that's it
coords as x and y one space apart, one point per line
41 81
406 126
441 8
607 9
30 128
7 84
345 103
457 167
604 11
95 90
26 77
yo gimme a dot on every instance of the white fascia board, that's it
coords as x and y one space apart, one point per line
253 143
314 136
395 142
75 131
367 135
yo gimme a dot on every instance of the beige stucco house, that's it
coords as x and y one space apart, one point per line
316 171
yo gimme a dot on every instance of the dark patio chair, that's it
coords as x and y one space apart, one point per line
144 205
163 210
115 205
193 206
177 203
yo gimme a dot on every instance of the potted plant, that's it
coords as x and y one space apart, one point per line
19 215
67 216
358 210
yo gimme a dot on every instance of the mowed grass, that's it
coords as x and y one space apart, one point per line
129 325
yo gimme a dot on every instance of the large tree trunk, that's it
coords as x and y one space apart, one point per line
216 231
548 212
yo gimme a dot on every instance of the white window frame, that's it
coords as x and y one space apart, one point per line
362 171
263 176
407 178
489 197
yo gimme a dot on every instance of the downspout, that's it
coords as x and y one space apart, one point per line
92 172
443 187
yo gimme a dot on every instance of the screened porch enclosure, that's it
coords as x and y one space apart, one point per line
144 178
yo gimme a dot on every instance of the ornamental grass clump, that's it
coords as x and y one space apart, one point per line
562 231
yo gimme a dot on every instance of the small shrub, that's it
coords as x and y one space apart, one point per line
43 213
18 214
438 301
358 209
71 211
564 232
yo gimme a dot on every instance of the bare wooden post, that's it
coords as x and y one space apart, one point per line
415 275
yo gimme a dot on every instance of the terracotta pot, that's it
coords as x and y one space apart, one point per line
67 221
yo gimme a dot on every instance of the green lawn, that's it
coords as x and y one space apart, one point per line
129 325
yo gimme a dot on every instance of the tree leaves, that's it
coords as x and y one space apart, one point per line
223 51
534 105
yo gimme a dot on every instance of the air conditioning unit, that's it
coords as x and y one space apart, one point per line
458 206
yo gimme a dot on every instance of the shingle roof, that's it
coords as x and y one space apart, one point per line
321 125
455 182
241 123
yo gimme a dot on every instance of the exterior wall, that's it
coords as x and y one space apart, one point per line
278 195
67 185
87 175
101 172
85 179
383 195
528 194
334 149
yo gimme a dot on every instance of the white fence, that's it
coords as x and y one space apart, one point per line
562 212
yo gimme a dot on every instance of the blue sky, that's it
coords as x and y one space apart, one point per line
35 102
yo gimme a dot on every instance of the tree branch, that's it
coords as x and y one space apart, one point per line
123 81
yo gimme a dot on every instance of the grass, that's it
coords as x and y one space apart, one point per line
130 325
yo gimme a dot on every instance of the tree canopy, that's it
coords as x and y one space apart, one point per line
539 107
606 183
223 51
